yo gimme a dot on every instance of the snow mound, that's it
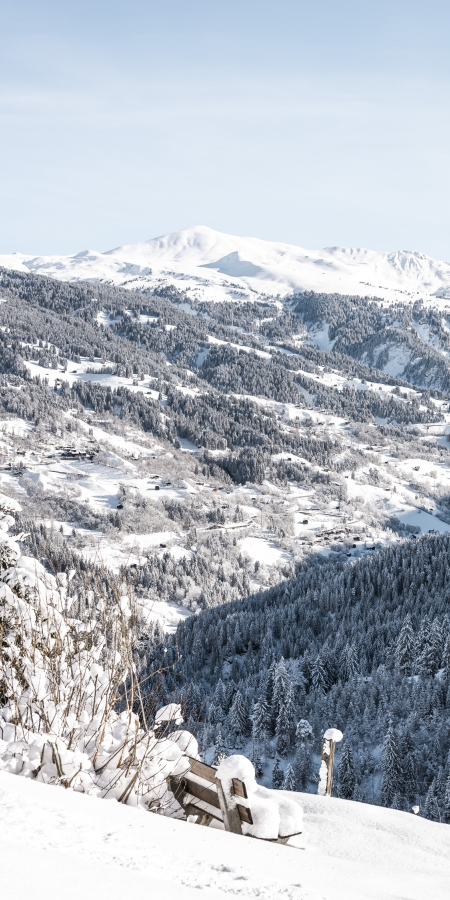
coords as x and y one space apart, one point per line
237 766
275 814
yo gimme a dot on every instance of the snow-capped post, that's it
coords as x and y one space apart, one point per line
331 737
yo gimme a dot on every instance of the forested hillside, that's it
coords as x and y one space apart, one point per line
364 647
272 483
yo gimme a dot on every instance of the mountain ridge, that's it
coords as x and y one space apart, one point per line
205 260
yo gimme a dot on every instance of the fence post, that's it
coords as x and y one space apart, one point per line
331 737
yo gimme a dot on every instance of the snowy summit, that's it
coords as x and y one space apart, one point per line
200 257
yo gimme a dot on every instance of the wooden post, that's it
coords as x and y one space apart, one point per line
331 737
231 818
330 780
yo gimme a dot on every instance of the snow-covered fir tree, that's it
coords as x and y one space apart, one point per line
405 647
289 783
392 773
277 775
347 777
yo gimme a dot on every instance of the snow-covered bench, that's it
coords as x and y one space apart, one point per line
230 795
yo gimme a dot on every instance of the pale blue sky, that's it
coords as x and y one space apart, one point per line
317 123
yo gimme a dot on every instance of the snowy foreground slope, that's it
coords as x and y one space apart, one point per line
58 842
228 267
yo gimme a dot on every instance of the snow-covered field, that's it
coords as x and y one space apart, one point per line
58 842
204 261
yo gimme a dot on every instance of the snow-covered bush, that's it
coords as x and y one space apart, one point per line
69 688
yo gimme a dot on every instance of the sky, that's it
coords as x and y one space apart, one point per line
317 123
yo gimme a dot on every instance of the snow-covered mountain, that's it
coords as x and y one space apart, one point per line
222 266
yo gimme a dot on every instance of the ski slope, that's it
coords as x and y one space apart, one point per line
220 266
72 845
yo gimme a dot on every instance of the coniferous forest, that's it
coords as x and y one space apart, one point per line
364 647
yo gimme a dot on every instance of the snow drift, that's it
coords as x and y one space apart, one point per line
82 848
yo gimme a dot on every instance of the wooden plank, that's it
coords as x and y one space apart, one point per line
201 792
175 785
278 840
245 814
239 789
202 770
231 818
190 808
203 818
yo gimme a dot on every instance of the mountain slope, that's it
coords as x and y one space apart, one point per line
221 265
73 840
205 462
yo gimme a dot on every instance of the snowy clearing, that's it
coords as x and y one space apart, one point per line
261 551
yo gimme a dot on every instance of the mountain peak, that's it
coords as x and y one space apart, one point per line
205 259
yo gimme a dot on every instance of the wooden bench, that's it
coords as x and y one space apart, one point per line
200 793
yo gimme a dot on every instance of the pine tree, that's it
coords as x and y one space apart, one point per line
219 749
277 775
289 779
349 665
446 658
260 719
302 766
205 738
446 805
431 655
269 691
447 764
257 762
229 690
238 718
405 648
409 767
286 722
281 680
216 713
431 806
409 775
347 777
422 637
193 703
303 732
220 695
440 786
392 775
319 676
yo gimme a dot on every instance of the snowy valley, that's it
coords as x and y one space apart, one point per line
239 450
